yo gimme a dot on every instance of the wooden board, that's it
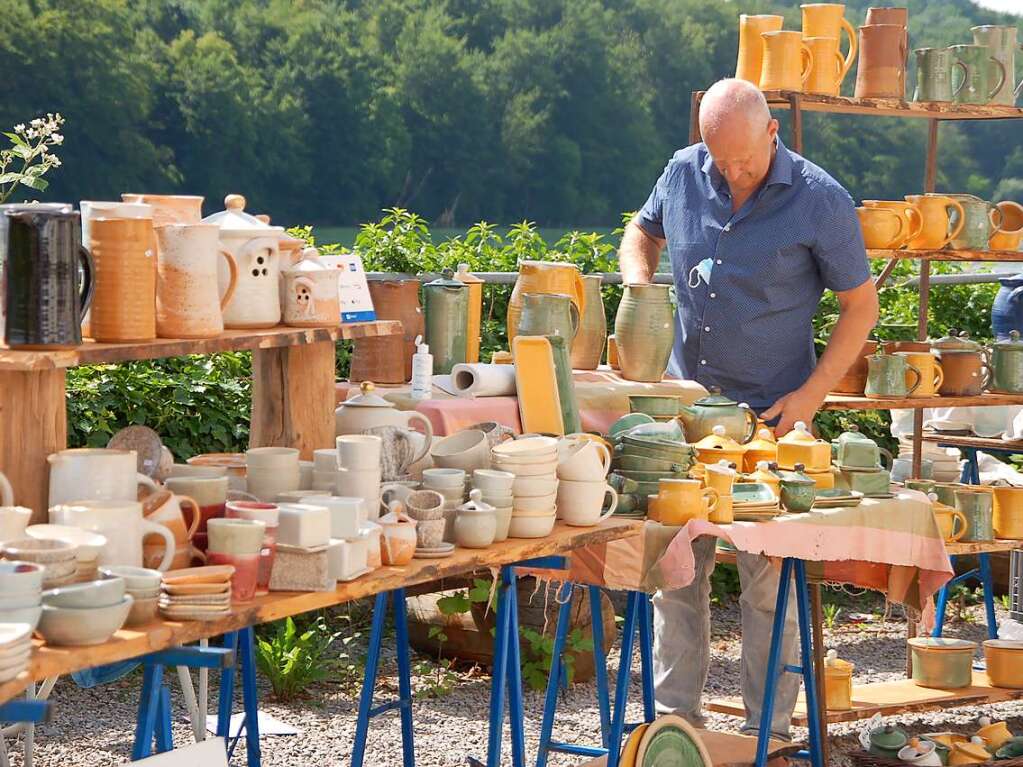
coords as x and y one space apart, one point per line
730 750
92 353
984 443
852 402
947 255
888 698
935 110
159 635
986 547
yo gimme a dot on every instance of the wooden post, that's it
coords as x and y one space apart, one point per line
293 397
33 424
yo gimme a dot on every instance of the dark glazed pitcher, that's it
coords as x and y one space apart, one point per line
47 276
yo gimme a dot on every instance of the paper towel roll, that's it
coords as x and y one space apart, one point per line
478 379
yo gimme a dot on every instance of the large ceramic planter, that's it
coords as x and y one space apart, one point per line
644 332
398 300
588 344
544 277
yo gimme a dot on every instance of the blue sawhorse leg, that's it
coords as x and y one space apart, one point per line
242 642
791 567
404 700
982 573
506 679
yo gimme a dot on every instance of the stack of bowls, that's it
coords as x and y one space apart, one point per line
325 470
15 649
89 546
142 585
21 587
496 489
646 454
84 613
450 483
57 557
534 462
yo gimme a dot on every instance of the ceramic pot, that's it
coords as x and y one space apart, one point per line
828 66
124 304
570 421
588 344
1010 229
1007 364
976 75
1007 311
475 523
787 61
797 495
1000 42
95 474
398 300
644 332
255 245
826 21
544 277
1008 513
980 220
978 508
909 213
886 377
123 525
398 539
966 373
883 228
933 74
169 208
474 313
368 409
188 304
41 257
271 470
91 209
1004 661
680 500
855 379
311 298
751 45
447 307
881 72
944 664
936 229
547 314
931 374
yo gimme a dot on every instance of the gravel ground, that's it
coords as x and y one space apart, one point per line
94 727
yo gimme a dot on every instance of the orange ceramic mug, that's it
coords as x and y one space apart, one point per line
164 508
680 500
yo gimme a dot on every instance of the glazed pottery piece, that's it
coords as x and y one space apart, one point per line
268 514
980 220
255 245
547 314
1001 44
380 359
966 374
951 522
681 500
857 451
787 62
837 682
570 421
447 306
474 312
398 451
1008 513
303 525
612 353
763 449
361 483
797 490
496 432
91 209
883 229
41 303
475 523
1004 660
581 504
908 211
121 523
887 741
588 344
751 45
644 332
399 300
1010 231
70 626
942 663
855 379
978 508
188 304
358 451
976 74
827 20
311 297
95 473
900 18
799 446
881 71
544 277
238 542
169 208
932 376
1007 310
210 493
13 519
124 304
662 407
933 74
936 217
829 67
467 450
886 377
1007 364
536 379
165 508
398 540
368 409
583 461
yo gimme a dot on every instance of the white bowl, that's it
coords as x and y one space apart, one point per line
46 551
14 635
70 626
530 527
89 544
493 481
18 601
537 503
532 487
499 501
546 467
135 578
29 615
529 446
435 479
102 593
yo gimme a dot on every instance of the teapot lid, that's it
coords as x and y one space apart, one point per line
719 440
475 503
953 341
716 399
367 398
234 220
1012 342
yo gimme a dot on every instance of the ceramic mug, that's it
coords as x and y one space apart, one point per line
787 61
123 525
683 499
951 524
887 375
883 228
165 508
1010 233
978 508
269 515
358 451
981 220
933 74
581 504
966 373
976 75
237 542
271 470
398 449
930 373
583 460
720 478
935 214
829 68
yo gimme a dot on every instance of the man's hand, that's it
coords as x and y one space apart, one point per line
800 405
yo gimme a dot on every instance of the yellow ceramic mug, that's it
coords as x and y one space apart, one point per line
723 513
1008 513
934 218
720 478
680 500
910 214
931 374
947 519
883 229
1011 229
829 67
787 62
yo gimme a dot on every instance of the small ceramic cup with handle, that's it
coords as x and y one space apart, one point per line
581 504
582 460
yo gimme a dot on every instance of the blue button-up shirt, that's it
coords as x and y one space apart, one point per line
747 329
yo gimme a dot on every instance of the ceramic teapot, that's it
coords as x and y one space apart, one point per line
368 409
855 450
700 418
887 741
310 293
799 446
1007 364
954 342
255 246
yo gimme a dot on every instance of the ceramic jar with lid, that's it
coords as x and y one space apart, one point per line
798 490
368 410
963 364
398 536
718 446
762 449
837 682
799 446
857 451
766 475
700 418
311 296
475 522
255 246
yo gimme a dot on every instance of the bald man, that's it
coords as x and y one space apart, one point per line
755 234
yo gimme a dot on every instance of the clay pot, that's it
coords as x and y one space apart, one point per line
398 300
644 332
124 302
544 277
855 378
170 208
588 344
881 72
966 374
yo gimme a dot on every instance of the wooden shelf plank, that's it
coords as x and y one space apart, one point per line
93 353
887 698
981 547
983 443
947 255
852 402
890 107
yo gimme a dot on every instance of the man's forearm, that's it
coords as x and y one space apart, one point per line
638 255
855 322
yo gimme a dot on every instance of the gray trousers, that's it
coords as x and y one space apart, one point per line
682 641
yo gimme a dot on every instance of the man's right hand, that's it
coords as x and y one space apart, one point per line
638 255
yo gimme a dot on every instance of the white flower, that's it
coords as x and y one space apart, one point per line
54 161
19 127
31 133
36 122
56 138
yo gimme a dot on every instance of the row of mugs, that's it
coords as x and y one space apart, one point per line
983 72
934 221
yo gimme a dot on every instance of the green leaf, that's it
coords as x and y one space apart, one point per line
34 183
455 604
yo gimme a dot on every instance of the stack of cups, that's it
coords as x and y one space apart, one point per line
358 459
427 508
582 482
271 470
496 489
721 476
268 514
450 484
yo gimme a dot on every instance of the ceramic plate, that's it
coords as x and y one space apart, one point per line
175 589
444 547
752 492
631 749
206 574
672 742
223 599
146 444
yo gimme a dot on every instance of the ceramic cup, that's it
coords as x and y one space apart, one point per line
358 451
209 492
583 460
581 503
271 470
269 515
434 479
493 481
932 376
364 484
683 499
237 542
467 450
720 478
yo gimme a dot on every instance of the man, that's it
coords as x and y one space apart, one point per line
754 233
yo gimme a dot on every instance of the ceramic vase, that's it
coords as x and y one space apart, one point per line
588 344
447 306
751 44
397 300
544 277
644 332
124 303
881 71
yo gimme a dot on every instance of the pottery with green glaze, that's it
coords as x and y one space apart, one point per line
977 507
1007 364
548 314
976 75
797 490
981 220
1001 45
563 375
886 376
446 303
933 74
644 332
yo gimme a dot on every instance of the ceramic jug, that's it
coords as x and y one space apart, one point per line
123 525
966 373
787 61
980 220
908 211
828 66
1007 311
976 75
751 44
109 209
881 72
544 277
188 304
368 409
311 298
566 389
42 298
933 74
828 20
883 228
936 229
474 316
886 377
547 314
1001 45
169 208
932 376
447 308
978 508
256 302
644 332
588 344
1007 364
124 305
399 300
98 473
1010 231
899 16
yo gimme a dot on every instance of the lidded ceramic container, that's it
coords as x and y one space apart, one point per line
311 293
761 449
255 247
718 446
475 522
1007 364
800 446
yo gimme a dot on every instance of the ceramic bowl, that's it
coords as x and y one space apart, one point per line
503 517
425 504
547 466
550 512
89 544
493 481
69 626
498 501
143 611
19 601
530 527
626 423
29 615
642 463
135 578
526 447
467 450
532 487
14 635
435 479
537 503
45 552
101 593
20 578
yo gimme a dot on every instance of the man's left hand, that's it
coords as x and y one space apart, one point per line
799 405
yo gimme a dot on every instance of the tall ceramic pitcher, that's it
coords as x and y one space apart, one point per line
96 473
787 62
544 277
751 44
829 68
447 304
1001 45
588 344
547 314
828 20
881 72
188 304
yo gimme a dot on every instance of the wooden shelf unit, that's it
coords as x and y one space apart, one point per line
981 443
889 107
852 402
947 255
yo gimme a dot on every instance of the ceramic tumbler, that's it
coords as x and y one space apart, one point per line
787 61
359 451
883 228
124 304
110 209
978 508
933 74
908 211
1001 44
881 72
936 229
237 542
976 75
980 220
751 45
887 377
829 68
269 515
930 373
1010 233
271 470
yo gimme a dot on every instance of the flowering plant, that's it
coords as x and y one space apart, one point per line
32 146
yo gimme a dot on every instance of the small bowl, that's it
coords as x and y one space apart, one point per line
530 527
435 479
135 578
143 611
20 578
532 487
45 552
552 511
493 481
498 500
538 503
70 626
102 593
29 615
19 601
527 446
89 544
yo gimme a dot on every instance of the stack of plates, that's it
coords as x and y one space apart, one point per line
753 501
833 499
88 545
197 593
15 649
945 464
